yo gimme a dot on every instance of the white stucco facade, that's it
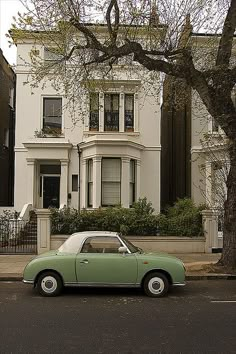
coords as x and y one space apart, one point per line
56 167
209 154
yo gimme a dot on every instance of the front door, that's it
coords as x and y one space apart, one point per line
99 262
51 191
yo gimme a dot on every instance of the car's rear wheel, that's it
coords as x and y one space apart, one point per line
156 284
49 284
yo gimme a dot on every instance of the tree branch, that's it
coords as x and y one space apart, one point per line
69 55
113 33
88 34
226 40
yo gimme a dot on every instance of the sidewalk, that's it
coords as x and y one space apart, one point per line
12 266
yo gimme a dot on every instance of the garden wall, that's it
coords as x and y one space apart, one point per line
168 244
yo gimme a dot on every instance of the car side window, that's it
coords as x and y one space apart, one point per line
101 245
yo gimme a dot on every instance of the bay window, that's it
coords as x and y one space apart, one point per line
90 182
111 181
132 182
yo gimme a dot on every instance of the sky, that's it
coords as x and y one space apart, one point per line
8 9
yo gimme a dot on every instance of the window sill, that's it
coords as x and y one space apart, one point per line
61 136
93 132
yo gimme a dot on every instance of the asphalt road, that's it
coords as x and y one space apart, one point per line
199 318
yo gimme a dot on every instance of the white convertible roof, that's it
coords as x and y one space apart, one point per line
95 233
74 242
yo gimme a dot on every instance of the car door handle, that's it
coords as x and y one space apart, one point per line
85 261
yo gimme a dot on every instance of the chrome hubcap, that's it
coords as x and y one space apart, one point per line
156 285
49 284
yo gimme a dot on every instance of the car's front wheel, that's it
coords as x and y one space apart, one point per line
49 284
156 284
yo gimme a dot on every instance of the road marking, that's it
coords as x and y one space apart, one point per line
223 301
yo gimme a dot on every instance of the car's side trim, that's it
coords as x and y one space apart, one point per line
179 284
28 281
110 285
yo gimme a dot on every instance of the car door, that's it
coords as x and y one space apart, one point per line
99 262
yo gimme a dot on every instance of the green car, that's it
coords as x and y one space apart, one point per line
100 258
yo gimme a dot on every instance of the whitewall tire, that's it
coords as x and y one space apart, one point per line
49 284
156 284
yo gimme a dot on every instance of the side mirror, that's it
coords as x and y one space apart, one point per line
123 249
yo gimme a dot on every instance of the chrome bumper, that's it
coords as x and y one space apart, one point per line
179 284
28 281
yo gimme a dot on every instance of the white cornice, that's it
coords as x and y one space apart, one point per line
153 148
110 142
206 149
20 149
47 144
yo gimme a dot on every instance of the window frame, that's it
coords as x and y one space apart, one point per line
11 97
102 237
132 184
110 158
129 129
89 183
112 94
75 177
43 97
52 61
115 236
90 111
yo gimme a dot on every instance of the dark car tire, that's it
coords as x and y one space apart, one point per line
49 284
156 284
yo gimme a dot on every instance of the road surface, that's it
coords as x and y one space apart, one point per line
199 318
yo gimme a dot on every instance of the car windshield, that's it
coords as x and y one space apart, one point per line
131 247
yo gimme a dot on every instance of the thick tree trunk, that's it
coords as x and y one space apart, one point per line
228 258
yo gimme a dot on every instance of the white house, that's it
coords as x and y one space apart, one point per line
110 156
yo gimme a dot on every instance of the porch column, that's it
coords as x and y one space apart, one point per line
137 179
31 181
64 183
125 179
83 184
97 181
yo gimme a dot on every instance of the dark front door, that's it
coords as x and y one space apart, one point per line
51 191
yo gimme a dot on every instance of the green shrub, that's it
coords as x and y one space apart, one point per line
183 219
138 220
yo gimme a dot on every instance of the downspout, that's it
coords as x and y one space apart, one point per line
79 156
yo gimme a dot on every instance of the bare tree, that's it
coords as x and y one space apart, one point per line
158 39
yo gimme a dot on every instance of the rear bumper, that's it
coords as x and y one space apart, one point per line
28 281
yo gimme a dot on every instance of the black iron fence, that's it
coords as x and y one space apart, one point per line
18 236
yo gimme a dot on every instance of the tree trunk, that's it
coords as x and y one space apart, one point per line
228 258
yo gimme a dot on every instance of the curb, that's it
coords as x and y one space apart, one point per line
188 277
211 277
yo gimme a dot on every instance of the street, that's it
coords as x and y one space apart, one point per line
198 318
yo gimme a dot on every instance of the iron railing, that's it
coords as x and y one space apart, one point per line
111 121
18 236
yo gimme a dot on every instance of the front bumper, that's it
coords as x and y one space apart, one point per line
179 284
